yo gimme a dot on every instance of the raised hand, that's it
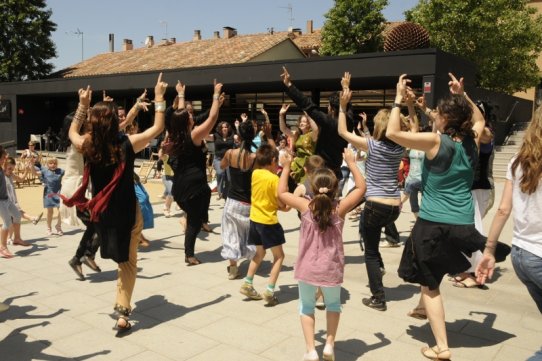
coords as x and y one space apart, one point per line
107 98
286 77
160 88
180 87
284 109
263 111
285 159
420 103
456 86
237 123
402 85
345 81
142 102
363 117
85 95
244 117
218 88
346 95
349 156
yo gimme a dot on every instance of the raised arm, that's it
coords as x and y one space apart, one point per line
427 142
354 197
199 133
282 121
141 103
287 198
355 140
362 126
412 116
140 140
314 128
303 102
85 95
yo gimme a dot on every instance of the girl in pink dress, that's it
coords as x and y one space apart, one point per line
320 261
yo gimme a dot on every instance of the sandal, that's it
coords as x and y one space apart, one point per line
5 253
436 354
418 313
206 228
122 330
468 282
192 261
90 263
59 231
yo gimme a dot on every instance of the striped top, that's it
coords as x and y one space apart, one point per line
381 169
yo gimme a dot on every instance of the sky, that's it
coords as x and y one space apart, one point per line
83 27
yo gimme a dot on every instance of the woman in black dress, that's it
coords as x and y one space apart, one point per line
188 161
109 162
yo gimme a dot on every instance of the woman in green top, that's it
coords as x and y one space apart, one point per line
304 140
445 228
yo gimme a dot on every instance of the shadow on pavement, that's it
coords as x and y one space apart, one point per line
353 349
485 334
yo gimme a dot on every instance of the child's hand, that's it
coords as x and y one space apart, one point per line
349 156
285 159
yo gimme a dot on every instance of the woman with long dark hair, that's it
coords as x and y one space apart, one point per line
235 216
188 160
109 165
444 230
223 139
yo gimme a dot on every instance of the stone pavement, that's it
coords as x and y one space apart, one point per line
197 314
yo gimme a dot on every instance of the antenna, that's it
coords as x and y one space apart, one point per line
290 9
163 22
78 33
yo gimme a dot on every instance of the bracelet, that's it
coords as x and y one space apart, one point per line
341 110
160 106
180 95
80 114
216 97
395 105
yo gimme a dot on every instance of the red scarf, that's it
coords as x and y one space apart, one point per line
98 204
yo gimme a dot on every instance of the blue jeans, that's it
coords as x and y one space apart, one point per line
375 216
221 177
528 268
412 188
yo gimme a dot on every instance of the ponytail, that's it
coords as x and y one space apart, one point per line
324 186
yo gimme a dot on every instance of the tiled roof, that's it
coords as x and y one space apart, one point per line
238 49
309 41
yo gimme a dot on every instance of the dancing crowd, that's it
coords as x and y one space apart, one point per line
304 168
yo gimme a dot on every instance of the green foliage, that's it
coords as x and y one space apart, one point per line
502 37
353 26
25 44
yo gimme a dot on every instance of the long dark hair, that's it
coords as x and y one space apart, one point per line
178 128
103 146
324 185
247 134
458 114
65 142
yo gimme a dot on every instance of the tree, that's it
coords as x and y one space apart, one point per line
502 37
353 26
25 43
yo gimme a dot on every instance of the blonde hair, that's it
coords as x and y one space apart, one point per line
52 160
381 120
312 163
529 157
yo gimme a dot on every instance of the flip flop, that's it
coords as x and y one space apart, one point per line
415 313
469 283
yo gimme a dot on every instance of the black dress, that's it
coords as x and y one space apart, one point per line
116 222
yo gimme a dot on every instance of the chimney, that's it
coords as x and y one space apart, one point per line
310 29
229 32
111 43
197 35
216 34
149 42
127 45
172 40
296 31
